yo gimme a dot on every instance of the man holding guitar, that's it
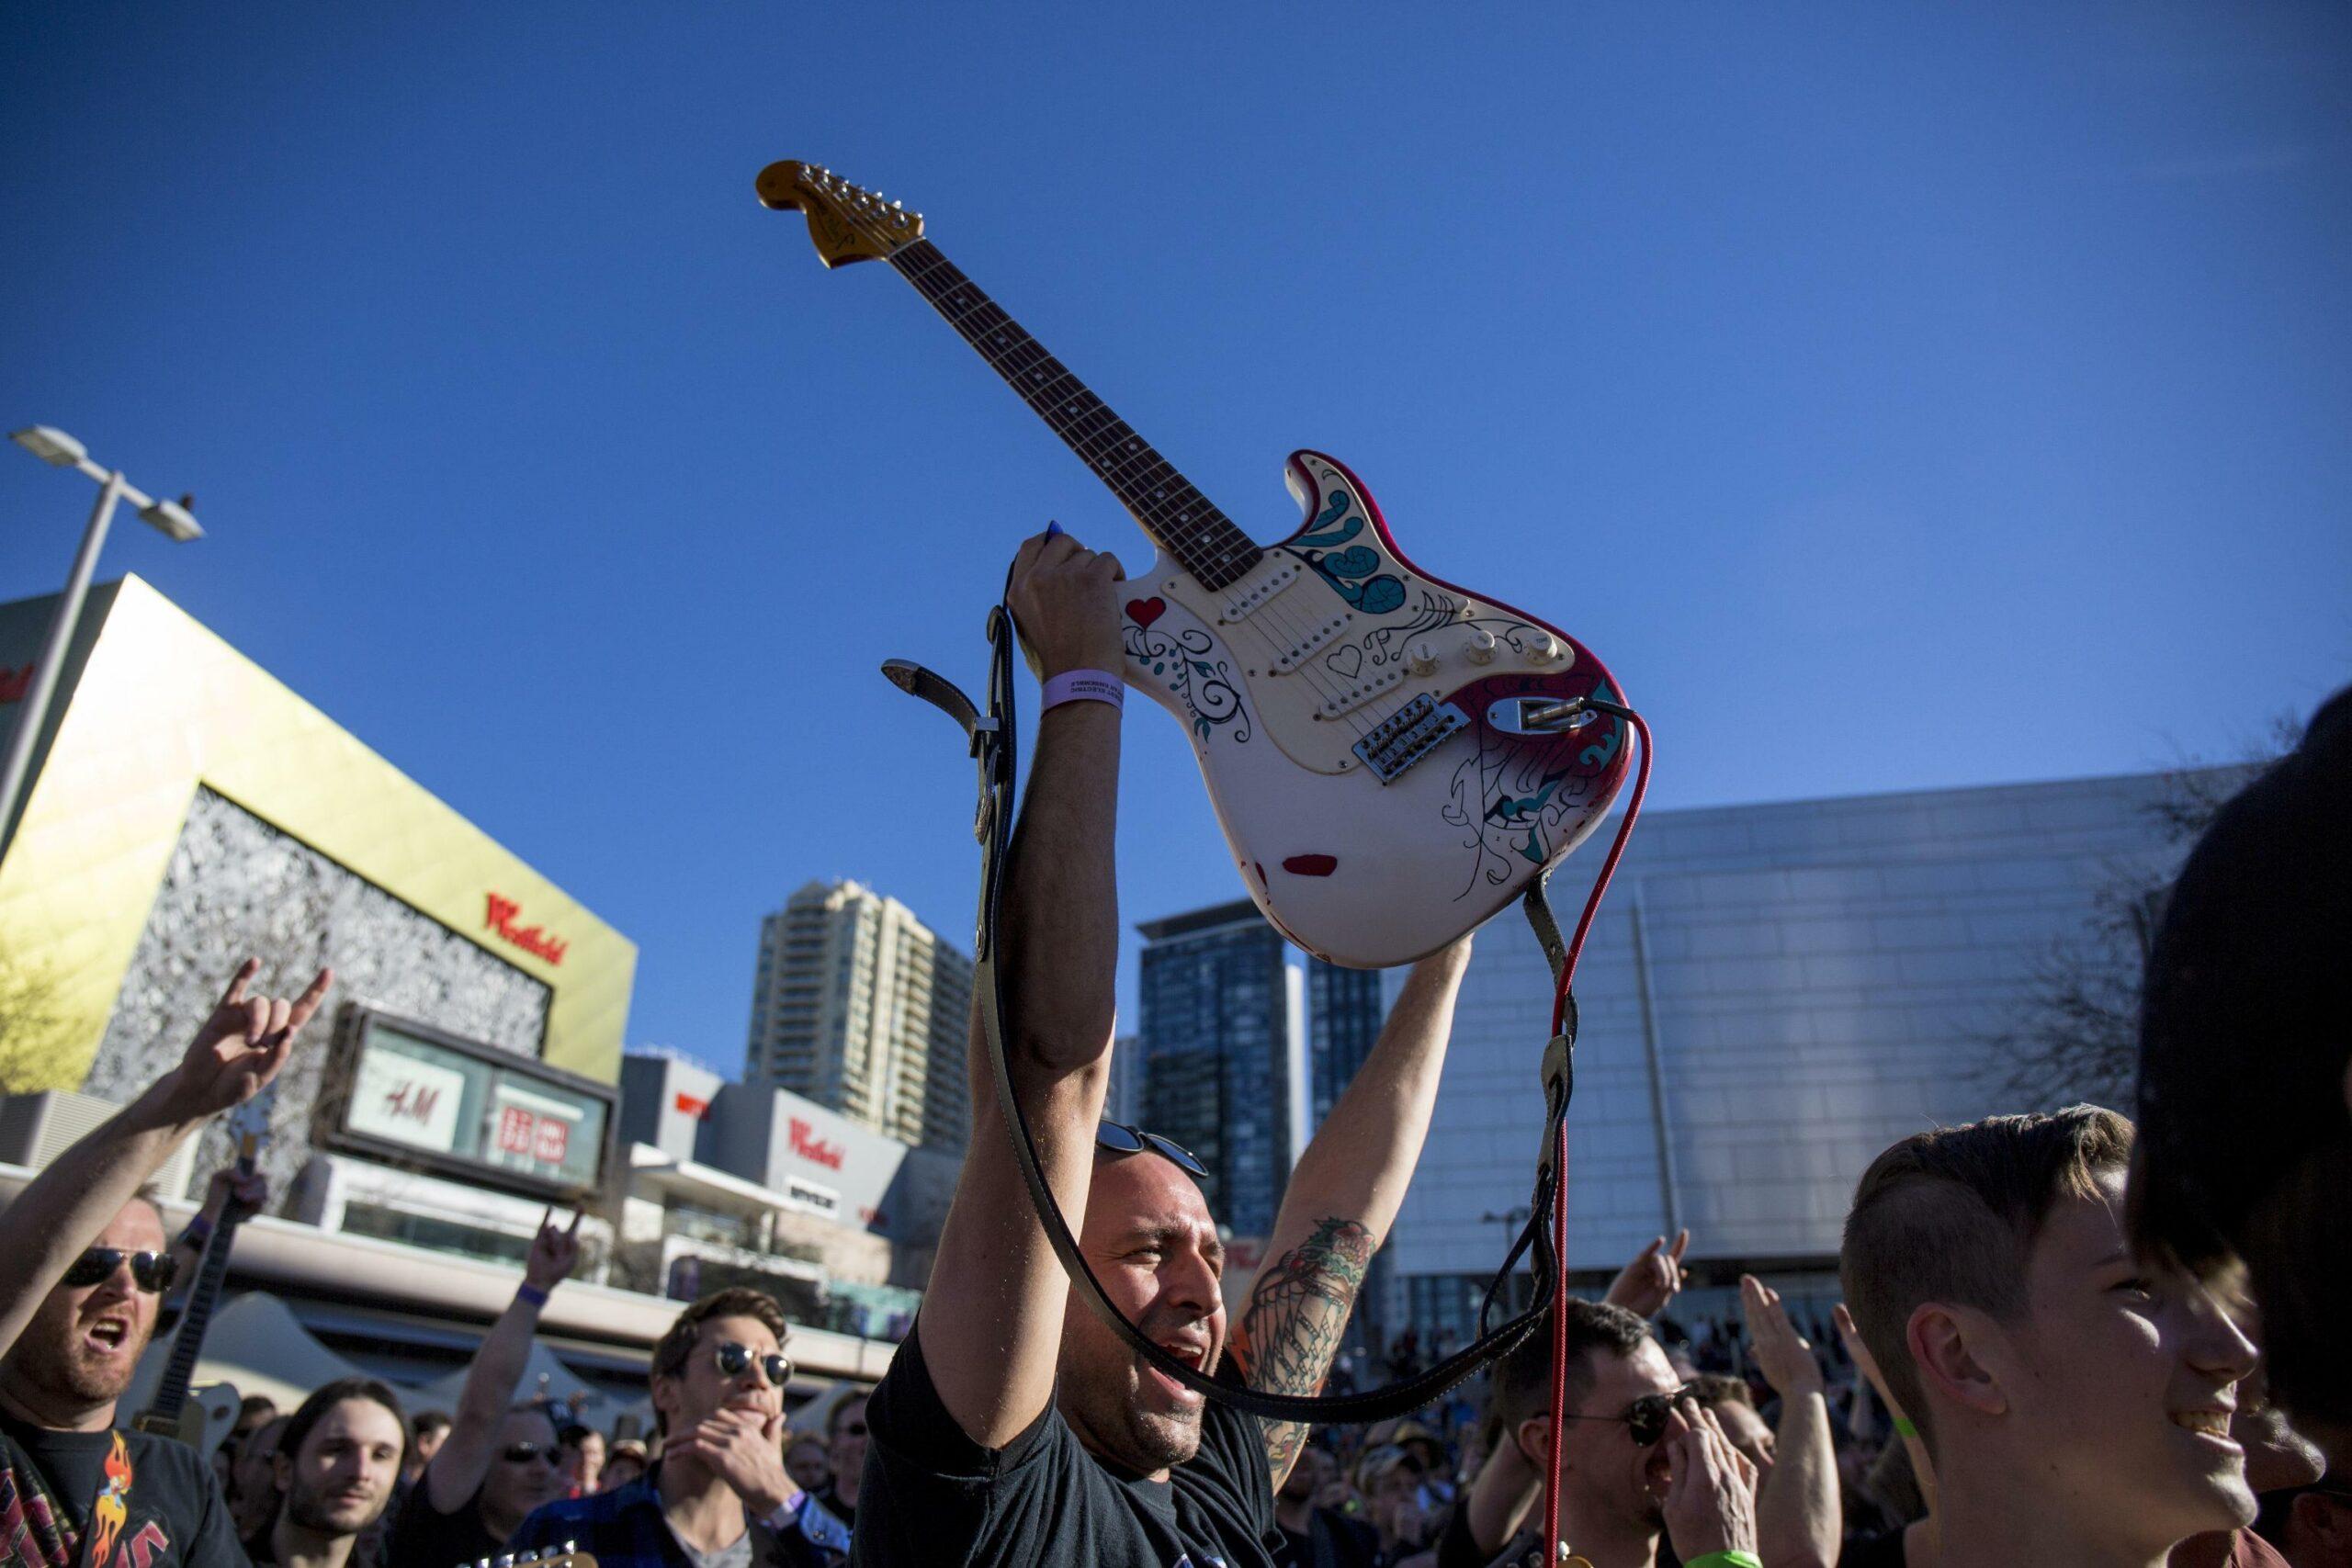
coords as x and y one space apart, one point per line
1013 1428
87 1268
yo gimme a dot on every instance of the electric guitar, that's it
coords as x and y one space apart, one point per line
203 1418
1383 749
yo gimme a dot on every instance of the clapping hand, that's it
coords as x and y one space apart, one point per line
555 1252
240 1048
1781 1353
1644 1285
1711 1497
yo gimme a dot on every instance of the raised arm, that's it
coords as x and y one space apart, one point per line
237 1050
990 1344
1343 1196
1798 1518
462 1461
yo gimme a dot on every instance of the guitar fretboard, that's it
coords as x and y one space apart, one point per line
196 1317
1179 518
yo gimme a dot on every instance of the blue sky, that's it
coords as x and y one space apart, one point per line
1896 395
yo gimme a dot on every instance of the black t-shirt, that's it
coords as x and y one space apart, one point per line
1876 1552
423 1536
934 1498
163 1509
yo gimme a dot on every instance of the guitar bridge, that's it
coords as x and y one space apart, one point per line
1406 735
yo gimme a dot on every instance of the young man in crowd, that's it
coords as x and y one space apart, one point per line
499 1460
253 1478
88 1264
1640 1462
1316 1537
719 1497
2246 1067
583 1458
337 1468
810 1461
430 1426
845 1460
1013 1426
2072 1399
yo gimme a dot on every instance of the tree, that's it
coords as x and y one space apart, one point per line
2074 1031
29 1019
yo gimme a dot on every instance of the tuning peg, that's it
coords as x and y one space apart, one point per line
897 206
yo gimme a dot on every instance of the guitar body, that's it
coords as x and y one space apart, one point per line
203 1421
1337 633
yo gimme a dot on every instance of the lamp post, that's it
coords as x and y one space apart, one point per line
170 518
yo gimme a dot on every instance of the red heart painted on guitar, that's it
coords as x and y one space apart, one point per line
1143 612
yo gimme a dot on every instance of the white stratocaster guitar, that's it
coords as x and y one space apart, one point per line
1365 728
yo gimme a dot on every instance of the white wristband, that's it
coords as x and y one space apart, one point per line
1084 686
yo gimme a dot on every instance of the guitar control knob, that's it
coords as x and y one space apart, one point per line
1480 646
1422 658
1542 648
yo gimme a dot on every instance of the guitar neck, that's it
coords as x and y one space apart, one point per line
1177 517
196 1317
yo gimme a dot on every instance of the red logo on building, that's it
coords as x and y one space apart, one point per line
503 915
543 1138
809 1146
15 682
692 1105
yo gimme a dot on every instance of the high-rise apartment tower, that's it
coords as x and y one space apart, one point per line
858 1005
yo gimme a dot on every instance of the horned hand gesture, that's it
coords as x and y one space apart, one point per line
555 1253
240 1047
1650 1281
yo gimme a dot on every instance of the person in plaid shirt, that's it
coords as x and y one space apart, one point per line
718 1497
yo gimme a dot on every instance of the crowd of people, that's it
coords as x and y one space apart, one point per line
2064 1337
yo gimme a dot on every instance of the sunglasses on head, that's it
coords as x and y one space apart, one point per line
734 1358
1644 1418
150 1271
1121 1139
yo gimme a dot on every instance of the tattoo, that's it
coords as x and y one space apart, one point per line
1290 1329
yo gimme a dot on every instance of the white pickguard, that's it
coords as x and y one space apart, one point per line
1361 872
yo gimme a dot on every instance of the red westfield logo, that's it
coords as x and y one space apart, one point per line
504 916
808 1146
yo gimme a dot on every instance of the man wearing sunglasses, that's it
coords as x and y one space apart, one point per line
85 1266
719 1497
1015 1428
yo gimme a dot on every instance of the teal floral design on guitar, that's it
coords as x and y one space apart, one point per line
1355 572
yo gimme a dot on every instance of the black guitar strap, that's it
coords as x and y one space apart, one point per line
991 737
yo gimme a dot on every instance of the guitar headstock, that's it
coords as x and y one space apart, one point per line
846 222
248 1125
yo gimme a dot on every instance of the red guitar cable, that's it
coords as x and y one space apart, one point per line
1560 1198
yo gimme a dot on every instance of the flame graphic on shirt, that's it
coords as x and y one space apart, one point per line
107 1515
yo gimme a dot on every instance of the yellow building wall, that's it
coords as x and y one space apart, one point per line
164 706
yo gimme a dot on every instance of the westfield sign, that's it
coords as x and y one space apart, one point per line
505 916
809 1146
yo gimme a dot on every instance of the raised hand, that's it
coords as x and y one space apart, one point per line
240 1048
1711 1496
1064 601
248 1190
745 1450
1783 1354
555 1253
1649 1282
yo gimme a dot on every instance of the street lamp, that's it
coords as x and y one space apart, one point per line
171 518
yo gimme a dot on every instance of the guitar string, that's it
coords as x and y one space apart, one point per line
1107 471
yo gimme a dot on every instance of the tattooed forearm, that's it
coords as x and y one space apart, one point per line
1291 1328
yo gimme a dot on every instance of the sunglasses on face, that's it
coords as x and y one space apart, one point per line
1644 1419
523 1453
1121 1139
734 1358
854 1430
150 1271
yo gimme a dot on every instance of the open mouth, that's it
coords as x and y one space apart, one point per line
1191 1353
2204 1423
109 1333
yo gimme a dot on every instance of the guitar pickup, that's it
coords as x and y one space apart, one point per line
1409 734
1275 573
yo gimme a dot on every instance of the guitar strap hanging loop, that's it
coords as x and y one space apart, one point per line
991 737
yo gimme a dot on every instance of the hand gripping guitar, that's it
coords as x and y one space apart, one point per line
1385 750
